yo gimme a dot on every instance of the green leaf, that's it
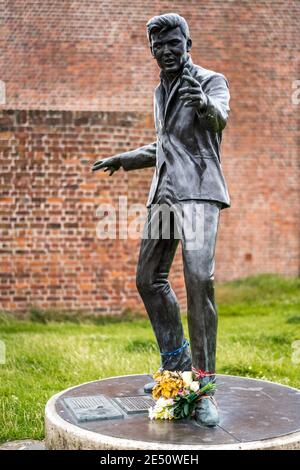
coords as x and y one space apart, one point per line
186 409
192 396
207 388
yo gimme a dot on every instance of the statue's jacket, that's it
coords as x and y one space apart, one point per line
188 141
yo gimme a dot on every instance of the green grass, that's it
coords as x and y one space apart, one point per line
259 321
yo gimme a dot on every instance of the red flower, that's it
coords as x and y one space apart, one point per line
201 373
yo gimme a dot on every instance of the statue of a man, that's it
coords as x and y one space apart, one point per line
191 108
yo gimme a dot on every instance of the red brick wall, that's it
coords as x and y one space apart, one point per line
50 254
79 84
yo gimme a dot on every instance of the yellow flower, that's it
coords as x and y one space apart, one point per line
167 385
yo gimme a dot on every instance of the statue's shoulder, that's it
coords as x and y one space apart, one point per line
206 75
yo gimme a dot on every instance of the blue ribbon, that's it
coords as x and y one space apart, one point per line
177 351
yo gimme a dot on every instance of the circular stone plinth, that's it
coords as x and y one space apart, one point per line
254 414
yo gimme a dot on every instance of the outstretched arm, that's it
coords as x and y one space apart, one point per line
142 157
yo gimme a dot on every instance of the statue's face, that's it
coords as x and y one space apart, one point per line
170 49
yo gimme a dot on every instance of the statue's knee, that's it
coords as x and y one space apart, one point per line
143 283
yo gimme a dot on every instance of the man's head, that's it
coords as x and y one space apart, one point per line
170 41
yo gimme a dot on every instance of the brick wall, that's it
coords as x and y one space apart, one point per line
79 82
50 254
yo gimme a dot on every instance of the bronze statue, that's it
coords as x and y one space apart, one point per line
191 109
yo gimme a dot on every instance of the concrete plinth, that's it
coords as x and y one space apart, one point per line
254 414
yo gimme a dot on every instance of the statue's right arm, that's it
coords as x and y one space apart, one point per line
142 157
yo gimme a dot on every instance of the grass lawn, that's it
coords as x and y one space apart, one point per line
259 319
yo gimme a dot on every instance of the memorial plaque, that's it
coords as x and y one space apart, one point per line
134 405
93 408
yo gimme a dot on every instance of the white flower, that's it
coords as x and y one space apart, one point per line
152 412
187 378
194 386
162 402
162 409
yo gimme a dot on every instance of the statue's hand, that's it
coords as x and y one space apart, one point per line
192 95
110 164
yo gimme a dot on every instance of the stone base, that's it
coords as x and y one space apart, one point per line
25 444
254 414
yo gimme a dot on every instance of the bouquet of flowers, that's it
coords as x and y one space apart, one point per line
176 394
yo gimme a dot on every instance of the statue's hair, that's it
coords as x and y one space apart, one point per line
162 23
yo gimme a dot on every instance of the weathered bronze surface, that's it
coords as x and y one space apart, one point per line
191 106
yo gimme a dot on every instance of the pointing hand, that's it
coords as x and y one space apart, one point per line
192 95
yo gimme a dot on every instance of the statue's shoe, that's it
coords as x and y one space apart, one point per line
149 387
206 412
